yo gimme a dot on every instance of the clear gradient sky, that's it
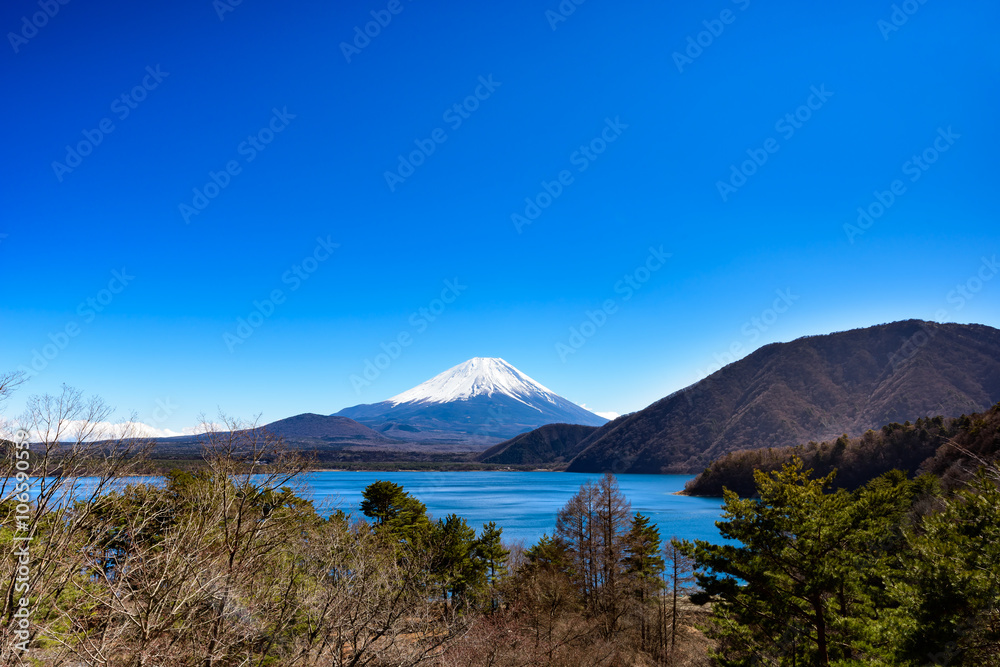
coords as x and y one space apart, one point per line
634 126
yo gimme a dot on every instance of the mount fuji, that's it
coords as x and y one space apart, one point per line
481 401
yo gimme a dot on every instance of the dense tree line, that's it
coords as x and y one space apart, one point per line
893 573
951 448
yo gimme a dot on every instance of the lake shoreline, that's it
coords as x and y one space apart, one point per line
524 503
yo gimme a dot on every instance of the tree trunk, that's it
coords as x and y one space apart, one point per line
821 646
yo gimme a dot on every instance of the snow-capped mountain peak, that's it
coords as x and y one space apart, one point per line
481 401
480 376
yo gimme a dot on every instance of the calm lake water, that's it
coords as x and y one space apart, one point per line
525 504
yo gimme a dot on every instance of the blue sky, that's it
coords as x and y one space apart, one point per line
260 151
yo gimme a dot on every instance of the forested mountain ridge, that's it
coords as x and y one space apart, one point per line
950 448
813 388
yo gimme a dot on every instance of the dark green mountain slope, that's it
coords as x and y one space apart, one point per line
552 443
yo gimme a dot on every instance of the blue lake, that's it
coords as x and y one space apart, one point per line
524 504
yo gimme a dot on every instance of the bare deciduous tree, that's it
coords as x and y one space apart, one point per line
678 580
74 459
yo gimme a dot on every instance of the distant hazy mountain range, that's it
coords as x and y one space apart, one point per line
310 426
324 435
813 388
481 401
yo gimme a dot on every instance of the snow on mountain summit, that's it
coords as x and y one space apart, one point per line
482 401
480 376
